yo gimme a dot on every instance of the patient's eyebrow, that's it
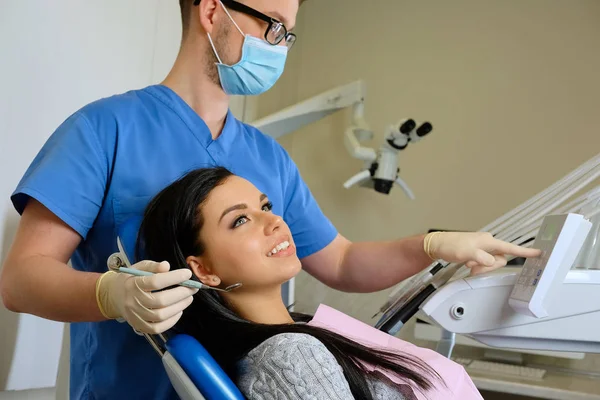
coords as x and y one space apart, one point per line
241 206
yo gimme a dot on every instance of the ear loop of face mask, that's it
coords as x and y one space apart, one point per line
234 23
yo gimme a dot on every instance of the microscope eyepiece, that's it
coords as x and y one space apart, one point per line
424 129
407 126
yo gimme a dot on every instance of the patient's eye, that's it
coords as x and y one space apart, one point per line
267 207
242 219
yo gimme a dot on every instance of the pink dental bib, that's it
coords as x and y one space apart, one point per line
459 385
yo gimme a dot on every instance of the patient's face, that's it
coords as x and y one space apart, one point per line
245 242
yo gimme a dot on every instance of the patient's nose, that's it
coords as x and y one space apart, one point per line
273 223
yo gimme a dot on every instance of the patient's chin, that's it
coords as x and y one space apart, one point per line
288 267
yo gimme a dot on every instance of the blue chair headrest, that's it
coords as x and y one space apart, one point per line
202 369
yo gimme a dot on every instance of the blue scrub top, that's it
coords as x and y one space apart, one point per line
103 165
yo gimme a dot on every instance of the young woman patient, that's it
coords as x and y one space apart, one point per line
222 228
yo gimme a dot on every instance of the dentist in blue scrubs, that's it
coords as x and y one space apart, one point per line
107 160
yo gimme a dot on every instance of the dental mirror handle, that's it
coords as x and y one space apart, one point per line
189 283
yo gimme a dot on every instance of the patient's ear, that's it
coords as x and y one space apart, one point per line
202 271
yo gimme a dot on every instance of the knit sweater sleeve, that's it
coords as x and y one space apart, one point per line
292 366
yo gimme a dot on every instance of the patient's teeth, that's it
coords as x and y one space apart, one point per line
281 246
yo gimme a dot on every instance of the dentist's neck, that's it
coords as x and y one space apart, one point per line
262 308
190 79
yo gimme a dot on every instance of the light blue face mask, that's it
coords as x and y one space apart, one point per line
257 71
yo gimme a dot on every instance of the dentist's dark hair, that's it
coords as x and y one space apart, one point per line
170 231
186 7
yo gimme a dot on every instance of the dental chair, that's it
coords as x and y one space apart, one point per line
193 372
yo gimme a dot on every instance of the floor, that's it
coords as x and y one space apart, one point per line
41 394
503 396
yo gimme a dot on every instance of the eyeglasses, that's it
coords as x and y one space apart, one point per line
275 32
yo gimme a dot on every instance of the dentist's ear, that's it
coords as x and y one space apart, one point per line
207 15
203 273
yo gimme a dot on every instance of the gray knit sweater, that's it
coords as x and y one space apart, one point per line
299 367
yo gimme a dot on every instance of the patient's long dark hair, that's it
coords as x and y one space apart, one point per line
170 230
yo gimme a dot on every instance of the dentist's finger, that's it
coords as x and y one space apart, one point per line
162 280
482 257
162 314
476 269
167 297
154 328
152 266
499 246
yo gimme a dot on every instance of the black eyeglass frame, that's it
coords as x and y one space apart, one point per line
237 6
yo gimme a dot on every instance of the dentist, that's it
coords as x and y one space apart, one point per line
107 160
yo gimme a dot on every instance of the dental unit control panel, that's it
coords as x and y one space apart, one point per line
560 239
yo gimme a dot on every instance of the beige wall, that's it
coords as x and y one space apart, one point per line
511 87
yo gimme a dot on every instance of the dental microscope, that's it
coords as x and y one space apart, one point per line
380 170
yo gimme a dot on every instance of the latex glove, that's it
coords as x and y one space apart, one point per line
480 251
134 298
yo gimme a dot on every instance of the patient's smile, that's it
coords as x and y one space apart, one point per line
283 249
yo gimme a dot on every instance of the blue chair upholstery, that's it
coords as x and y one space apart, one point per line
199 366
202 369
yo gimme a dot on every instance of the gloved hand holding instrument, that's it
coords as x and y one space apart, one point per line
141 294
141 300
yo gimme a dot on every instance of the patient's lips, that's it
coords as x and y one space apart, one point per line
282 249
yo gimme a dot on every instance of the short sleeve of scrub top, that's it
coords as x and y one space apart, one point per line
68 175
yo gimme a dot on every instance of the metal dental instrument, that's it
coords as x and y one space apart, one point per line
120 263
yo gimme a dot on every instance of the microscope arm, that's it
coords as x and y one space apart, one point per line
358 178
405 188
354 148
357 132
